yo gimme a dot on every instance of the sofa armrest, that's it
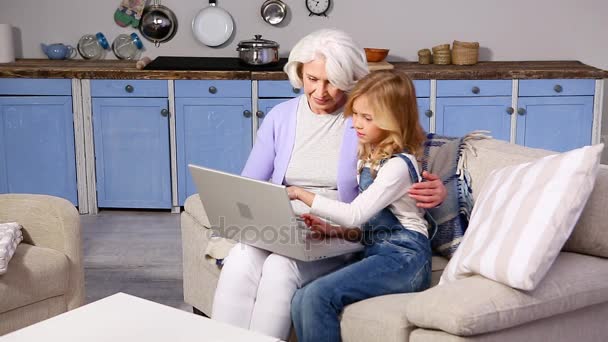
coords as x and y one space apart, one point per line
477 305
54 223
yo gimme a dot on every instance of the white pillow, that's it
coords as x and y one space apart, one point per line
10 237
523 216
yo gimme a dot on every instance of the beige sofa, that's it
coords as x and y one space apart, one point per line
570 304
45 276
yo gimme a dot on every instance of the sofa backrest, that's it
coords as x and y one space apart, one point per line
590 236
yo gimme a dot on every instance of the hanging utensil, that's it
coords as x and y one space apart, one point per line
273 11
212 25
158 23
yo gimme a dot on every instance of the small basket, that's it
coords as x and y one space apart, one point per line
442 47
465 53
425 57
442 57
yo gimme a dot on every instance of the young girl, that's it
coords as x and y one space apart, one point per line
397 255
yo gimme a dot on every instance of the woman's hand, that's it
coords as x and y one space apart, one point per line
292 192
430 193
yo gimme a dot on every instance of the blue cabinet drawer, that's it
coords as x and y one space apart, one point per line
212 88
556 87
423 88
129 88
277 89
474 88
26 86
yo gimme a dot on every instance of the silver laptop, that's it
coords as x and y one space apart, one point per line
259 214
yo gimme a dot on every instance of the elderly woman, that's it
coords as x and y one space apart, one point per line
304 142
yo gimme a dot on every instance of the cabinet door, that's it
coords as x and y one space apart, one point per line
37 146
555 123
211 132
457 116
132 152
265 105
424 113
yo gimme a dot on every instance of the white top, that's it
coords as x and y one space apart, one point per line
314 159
389 189
122 317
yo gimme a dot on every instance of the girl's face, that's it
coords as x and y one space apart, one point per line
322 96
363 121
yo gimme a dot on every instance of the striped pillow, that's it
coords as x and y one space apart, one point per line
523 216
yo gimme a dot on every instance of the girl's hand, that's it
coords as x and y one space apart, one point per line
430 193
292 192
320 228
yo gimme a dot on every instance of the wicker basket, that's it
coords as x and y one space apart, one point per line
442 57
465 53
442 47
424 56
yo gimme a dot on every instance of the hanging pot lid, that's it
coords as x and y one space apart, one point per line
258 42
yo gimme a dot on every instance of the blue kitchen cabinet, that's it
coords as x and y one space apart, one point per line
213 128
131 135
468 105
37 146
555 114
37 138
264 107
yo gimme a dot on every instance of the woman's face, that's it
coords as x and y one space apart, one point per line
363 121
322 96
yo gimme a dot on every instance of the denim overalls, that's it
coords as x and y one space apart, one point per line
395 260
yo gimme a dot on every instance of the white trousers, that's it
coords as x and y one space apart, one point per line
255 288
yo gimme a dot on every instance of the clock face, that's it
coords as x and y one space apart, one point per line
317 7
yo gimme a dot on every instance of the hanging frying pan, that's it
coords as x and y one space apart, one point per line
213 25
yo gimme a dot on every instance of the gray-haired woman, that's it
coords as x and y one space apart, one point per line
303 142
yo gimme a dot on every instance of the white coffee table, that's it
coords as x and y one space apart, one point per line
122 317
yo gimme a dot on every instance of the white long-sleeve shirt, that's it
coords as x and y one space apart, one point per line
389 189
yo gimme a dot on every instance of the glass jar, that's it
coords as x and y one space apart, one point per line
127 46
93 46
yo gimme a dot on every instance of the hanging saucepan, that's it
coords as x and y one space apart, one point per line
273 11
158 23
213 25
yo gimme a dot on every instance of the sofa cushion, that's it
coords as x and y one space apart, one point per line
377 319
589 235
194 207
523 216
35 274
477 305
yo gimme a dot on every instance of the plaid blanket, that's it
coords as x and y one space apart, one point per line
444 156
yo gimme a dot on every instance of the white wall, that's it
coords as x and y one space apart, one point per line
506 29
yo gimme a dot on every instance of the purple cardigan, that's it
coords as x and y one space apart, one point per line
275 139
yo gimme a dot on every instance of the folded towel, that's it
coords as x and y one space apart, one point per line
10 237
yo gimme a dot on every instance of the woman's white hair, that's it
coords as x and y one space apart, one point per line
345 62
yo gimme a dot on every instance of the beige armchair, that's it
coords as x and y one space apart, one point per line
45 276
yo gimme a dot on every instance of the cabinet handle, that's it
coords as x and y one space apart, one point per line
295 90
475 90
164 112
510 110
259 114
212 90
521 111
558 88
129 88
428 113
247 113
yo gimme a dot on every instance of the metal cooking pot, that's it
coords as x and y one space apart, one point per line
158 23
258 51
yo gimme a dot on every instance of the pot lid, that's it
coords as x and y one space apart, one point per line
258 42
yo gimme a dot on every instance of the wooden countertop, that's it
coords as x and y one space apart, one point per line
116 69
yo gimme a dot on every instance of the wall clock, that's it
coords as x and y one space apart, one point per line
318 7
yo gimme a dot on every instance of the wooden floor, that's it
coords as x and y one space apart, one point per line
136 252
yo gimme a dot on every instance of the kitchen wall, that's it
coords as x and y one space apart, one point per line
506 30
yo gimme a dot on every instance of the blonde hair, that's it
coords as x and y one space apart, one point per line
345 62
392 98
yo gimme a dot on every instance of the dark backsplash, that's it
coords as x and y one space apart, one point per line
210 64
